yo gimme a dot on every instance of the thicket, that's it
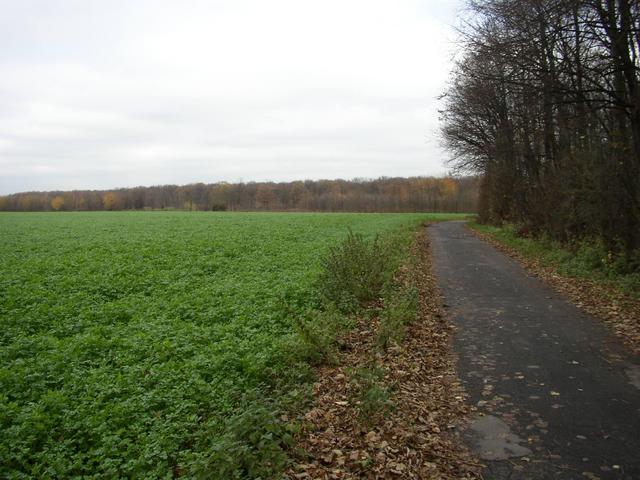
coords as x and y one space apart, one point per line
354 272
544 103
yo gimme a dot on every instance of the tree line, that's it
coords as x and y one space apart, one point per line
544 102
380 195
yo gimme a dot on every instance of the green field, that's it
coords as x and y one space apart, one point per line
135 344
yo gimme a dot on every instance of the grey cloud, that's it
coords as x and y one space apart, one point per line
103 94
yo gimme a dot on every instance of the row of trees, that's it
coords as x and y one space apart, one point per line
545 104
381 195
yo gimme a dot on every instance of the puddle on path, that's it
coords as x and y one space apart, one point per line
493 440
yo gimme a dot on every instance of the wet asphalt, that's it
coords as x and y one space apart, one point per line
560 392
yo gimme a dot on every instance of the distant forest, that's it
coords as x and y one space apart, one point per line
545 104
415 194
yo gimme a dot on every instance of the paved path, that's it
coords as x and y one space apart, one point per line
561 396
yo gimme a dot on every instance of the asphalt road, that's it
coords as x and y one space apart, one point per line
557 395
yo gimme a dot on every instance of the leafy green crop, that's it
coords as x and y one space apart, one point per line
157 344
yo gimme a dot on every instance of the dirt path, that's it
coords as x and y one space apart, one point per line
557 395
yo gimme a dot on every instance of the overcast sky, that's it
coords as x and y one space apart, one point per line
115 93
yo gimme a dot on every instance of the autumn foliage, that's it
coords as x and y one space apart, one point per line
545 103
57 202
381 195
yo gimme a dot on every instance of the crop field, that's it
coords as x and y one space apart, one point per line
146 344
